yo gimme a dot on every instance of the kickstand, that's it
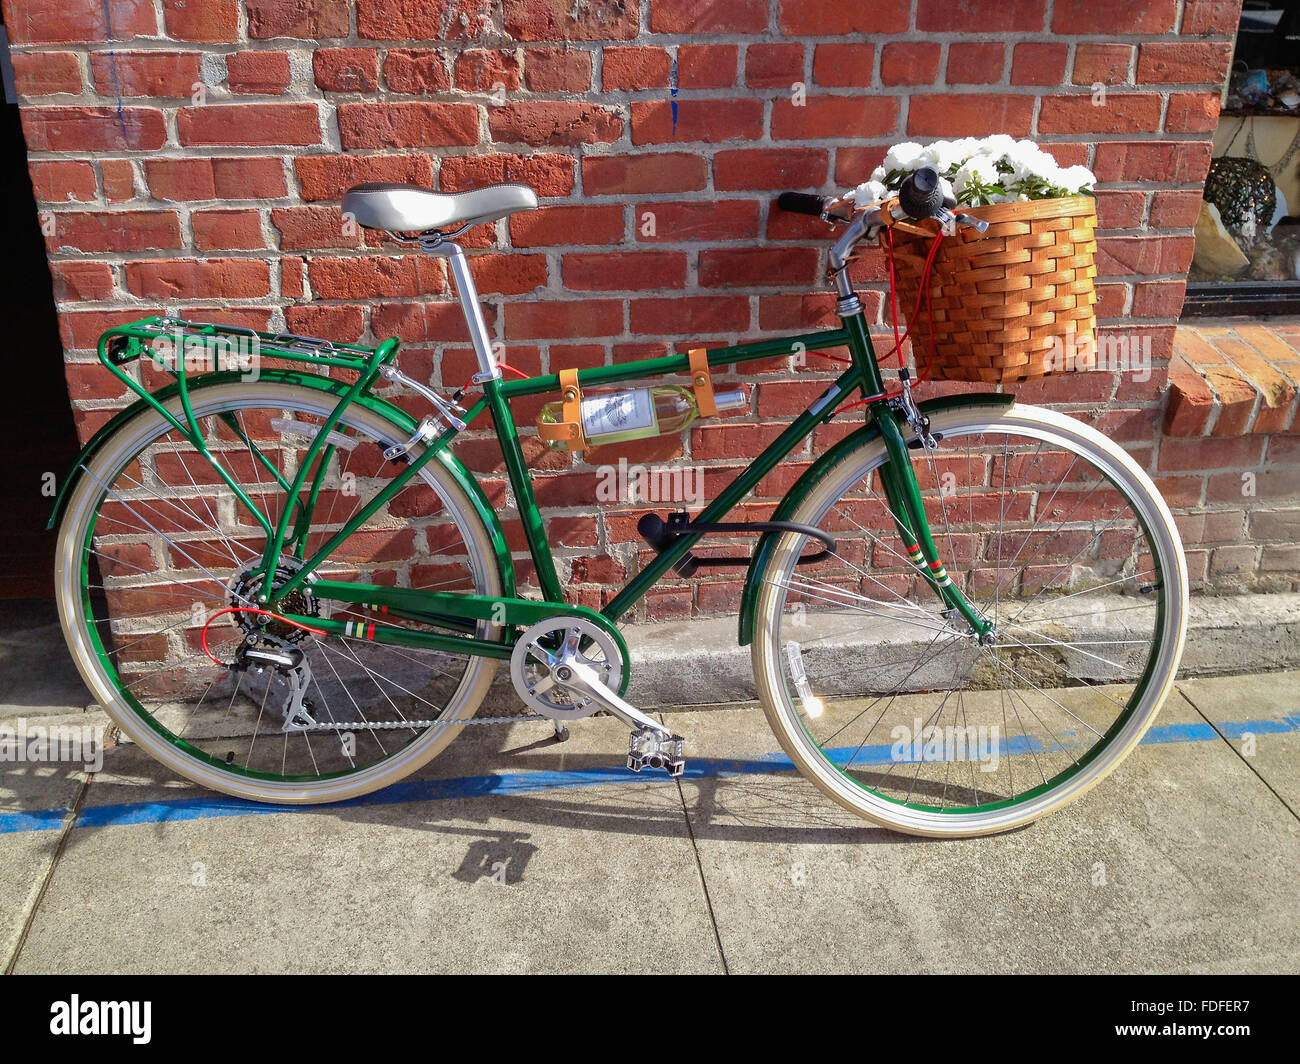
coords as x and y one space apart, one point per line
561 731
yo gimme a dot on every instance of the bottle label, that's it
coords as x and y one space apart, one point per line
604 415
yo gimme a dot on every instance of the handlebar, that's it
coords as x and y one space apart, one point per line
801 203
920 197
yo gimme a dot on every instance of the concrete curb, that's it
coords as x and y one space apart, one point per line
683 664
698 662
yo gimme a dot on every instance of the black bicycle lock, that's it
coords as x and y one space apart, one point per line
661 535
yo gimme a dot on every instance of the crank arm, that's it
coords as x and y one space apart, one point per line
583 680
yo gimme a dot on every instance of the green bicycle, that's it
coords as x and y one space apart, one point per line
285 587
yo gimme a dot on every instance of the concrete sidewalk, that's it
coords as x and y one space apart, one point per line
511 853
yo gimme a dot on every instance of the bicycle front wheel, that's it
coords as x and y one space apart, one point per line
893 706
156 559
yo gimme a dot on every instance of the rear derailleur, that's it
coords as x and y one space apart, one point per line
288 665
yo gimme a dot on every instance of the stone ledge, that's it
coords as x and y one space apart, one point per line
698 662
1233 380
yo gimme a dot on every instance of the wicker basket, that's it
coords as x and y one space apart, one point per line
1010 302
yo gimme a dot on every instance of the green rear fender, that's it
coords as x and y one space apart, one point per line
402 422
805 484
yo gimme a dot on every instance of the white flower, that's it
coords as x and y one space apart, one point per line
943 155
1029 152
904 156
998 161
1018 170
978 168
1026 159
1074 179
998 145
869 192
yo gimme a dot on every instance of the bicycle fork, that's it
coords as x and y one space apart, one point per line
907 508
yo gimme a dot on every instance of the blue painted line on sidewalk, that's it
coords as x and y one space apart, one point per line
38 820
512 783
1180 733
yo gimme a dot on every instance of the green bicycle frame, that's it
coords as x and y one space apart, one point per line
898 477
463 613
496 399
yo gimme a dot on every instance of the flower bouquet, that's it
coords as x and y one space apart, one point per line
1016 302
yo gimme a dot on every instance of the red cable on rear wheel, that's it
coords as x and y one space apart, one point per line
261 613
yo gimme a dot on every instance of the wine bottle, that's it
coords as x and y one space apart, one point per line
635 414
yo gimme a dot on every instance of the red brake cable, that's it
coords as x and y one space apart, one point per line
260 613
504 365
924 291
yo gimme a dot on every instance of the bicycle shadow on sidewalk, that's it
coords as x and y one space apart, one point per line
754 801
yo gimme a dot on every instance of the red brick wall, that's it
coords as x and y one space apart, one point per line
191 157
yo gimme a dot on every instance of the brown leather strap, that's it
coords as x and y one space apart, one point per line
702 382
903 225
568 430
560 432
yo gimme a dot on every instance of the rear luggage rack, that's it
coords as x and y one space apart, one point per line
164 338
227 353
195 348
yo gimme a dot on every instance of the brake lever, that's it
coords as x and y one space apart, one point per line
978 224
948 220
829 215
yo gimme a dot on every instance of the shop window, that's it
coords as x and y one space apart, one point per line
1248 234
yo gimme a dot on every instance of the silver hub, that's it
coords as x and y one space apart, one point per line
544 659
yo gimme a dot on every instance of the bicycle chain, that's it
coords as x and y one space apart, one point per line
362 725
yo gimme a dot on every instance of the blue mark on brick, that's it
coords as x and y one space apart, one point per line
672 93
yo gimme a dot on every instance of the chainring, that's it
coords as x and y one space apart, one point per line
537 652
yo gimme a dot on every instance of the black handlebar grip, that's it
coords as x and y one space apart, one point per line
921 196
801 203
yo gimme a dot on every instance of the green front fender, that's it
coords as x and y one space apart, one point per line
402 421
814 475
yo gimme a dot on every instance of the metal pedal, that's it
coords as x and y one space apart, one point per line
648 749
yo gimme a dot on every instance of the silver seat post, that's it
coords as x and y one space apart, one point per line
467 294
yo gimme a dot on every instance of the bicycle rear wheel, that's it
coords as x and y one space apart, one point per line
154 551
892 706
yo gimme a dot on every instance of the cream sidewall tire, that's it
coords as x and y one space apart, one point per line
783 716
127 441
